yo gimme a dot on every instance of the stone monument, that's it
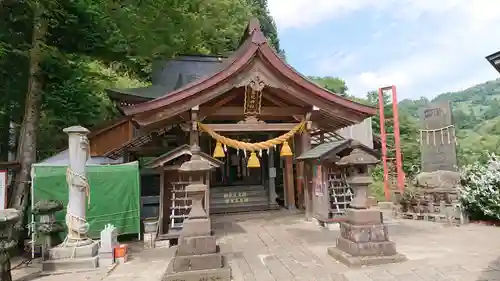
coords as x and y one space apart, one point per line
78 251
197 257
364 237
8 217
109 240
438 138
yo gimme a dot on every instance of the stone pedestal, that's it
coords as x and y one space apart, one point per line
197 257
364 240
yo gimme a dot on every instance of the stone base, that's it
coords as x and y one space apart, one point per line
72 252
196 227
359 261
68 259
149 240
364 216
383 248
220 274
165 243
197 262
197 245
70 265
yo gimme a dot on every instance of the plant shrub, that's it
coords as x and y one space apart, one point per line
480 189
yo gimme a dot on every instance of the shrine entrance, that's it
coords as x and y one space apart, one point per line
239 185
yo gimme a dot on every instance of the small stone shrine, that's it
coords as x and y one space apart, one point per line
8 217
109 240
364 238
48 227
197 257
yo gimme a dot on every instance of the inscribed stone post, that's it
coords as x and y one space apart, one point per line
77 251
437 138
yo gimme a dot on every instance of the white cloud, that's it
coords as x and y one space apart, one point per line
465 35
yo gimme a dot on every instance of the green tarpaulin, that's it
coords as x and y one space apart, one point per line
114 194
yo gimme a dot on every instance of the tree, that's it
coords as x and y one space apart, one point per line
57 57
332 84
28 135
268 26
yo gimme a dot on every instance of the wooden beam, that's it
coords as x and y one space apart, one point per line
265 111
245 127
216 106
194 137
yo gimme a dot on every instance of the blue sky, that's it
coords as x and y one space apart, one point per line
424 47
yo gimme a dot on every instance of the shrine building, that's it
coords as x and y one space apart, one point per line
251 114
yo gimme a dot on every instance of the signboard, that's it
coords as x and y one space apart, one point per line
235 197
3 189
318 181
437 138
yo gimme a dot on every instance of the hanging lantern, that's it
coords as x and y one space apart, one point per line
218 151
253 161
286 150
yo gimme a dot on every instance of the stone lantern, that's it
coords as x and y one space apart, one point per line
8 217
197 256
48 226
364 238
358 165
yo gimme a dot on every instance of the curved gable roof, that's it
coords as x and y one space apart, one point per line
255 43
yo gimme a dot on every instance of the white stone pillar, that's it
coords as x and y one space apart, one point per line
78 148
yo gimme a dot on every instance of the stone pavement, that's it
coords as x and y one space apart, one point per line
283 246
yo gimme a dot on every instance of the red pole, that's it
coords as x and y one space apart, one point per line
384 143
397 141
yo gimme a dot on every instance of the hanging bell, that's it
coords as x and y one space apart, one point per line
253 161
286 150
218 151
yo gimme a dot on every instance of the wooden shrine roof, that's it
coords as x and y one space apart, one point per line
332 106
178 152
168 76
494 59
325 150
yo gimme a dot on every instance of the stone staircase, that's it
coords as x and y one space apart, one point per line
240 198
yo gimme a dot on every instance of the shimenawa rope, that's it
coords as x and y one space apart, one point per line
247 146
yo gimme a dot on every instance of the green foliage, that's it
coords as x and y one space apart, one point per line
332 84
94 45
480 189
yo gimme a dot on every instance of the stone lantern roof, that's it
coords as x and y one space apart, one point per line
358 156
196 164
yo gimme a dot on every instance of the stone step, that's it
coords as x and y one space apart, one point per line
235 188
244 207
238 194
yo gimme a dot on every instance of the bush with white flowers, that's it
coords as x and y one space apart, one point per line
480 189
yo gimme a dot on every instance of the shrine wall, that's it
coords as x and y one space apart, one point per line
361 132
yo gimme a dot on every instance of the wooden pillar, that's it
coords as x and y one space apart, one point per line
194 137
305 143
161 208
300 172
272 178
289 183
